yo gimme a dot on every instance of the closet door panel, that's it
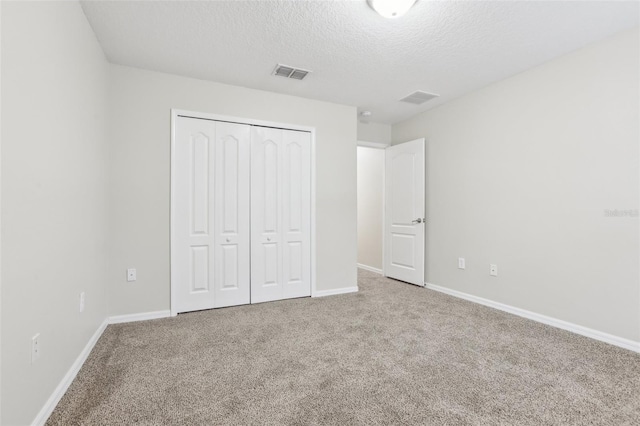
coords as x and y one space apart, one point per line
266 214
296 214
194 155
242 209
232 219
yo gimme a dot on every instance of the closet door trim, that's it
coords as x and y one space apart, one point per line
175 113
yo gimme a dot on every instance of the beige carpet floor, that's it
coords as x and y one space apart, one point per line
389 354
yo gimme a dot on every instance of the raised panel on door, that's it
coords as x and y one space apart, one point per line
402 196
296 214
232 282
266 216
193 221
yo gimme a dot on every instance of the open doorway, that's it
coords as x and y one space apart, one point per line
391 209
370 164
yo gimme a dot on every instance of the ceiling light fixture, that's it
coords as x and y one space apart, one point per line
391 8
365 116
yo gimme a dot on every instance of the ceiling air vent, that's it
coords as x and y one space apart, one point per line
419 97
299 74
290 72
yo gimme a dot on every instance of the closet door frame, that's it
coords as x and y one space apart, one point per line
175 113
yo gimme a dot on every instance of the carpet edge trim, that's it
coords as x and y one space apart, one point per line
68 378
554 322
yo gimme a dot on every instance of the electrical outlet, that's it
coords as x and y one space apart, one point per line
82 302
35 348
131 274
461 263
493 270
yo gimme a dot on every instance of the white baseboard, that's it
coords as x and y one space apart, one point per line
370 268
64 384
322 293
118 319
554 322
68 378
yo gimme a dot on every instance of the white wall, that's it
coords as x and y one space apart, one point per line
520 174
370 206
0 215
54 196
374 132
140 140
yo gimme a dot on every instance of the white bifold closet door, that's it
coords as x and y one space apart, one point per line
211 208
280 214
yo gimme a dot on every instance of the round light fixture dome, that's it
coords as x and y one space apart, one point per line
391 8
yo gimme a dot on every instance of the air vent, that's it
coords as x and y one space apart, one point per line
283 71
419 97
299 74
290 72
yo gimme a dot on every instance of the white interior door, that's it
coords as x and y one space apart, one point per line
404 212
280 214
210 252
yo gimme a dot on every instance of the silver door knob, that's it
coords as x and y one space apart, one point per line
418 220
228 239
268 238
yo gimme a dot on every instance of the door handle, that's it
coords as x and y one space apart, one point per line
418 220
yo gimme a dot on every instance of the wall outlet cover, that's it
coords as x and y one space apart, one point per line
35 348
131 274
461 263
493 270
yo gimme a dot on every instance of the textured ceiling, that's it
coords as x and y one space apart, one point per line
357 57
